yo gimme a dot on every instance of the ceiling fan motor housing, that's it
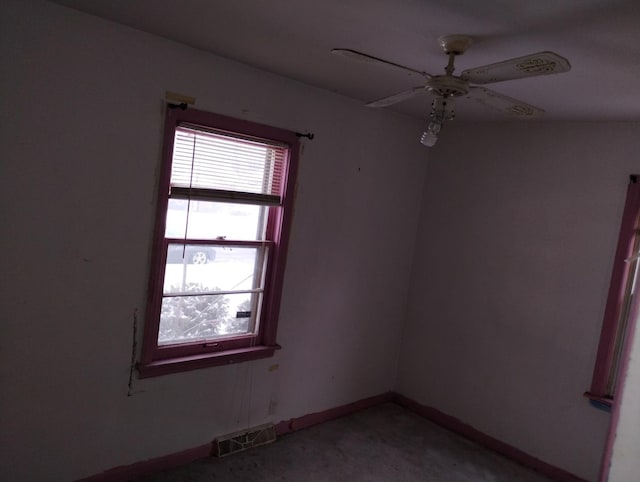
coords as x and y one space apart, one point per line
448 86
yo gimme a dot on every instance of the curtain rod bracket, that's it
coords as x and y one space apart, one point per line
309 135
182 106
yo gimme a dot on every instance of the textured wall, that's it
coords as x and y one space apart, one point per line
81 136
518 231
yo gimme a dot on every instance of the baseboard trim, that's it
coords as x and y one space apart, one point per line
311 419
152 466
455 425
170 461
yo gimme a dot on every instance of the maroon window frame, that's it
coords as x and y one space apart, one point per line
609 359
159 360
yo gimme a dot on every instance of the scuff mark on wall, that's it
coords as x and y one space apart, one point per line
134 348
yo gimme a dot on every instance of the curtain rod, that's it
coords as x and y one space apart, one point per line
184 106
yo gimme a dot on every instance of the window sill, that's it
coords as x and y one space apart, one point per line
187 363
599 402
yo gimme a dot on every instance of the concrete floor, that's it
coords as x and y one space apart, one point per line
385 443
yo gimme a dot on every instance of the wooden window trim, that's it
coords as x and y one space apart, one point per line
160 360
606 359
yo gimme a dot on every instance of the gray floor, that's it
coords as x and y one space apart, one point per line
385 443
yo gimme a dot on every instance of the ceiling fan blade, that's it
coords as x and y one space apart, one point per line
503 103
542 63
353 54
396 98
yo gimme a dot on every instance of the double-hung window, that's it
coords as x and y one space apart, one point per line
623 287
224 211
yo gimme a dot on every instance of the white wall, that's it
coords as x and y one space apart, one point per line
81 133
517 238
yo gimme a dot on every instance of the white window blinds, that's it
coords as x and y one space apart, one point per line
218 161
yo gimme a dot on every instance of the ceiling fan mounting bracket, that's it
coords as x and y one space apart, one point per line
455 44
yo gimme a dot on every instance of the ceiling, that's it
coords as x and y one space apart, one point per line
294 38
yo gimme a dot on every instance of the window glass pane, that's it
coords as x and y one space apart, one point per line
215 220
206 317
227 268
623 321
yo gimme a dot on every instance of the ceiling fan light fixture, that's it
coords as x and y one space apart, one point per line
430 136
441 111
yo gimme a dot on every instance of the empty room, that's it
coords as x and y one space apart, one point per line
366 240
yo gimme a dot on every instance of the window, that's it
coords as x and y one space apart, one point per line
621 292
223 216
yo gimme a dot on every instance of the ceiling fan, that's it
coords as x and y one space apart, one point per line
448 86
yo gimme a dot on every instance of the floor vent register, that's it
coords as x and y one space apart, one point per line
244 439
